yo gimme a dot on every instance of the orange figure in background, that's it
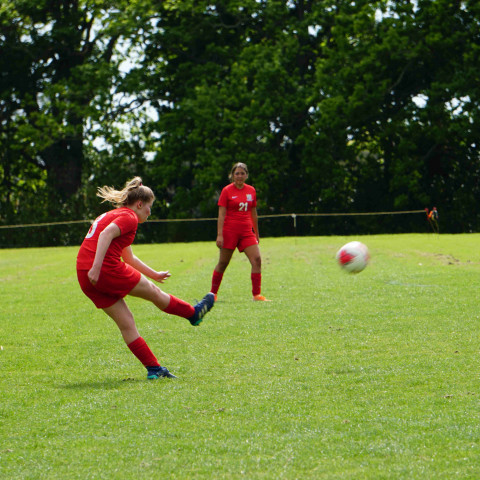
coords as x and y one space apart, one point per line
432 217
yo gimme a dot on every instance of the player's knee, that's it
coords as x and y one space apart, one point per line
149 291
159 297
257 261
222 266
156 291
126 323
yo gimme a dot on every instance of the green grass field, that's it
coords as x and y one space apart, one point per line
369 376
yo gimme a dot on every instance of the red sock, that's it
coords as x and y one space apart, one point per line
180 308
216 281
142 351
256 283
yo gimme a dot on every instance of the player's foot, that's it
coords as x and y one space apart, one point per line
260 298
215 296
201 309
153 373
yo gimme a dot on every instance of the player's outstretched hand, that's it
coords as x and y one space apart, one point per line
161 276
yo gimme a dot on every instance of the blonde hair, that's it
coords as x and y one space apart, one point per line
237 165
133 192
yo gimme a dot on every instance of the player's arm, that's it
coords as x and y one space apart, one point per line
222 213
254 214
137 264
104 240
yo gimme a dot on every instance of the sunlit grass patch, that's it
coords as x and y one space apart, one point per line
369 376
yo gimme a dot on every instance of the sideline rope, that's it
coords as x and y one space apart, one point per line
167 220
70 222
338 214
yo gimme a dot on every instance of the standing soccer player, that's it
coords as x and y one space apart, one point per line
237 227
106 279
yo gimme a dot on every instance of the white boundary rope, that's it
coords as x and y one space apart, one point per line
293 215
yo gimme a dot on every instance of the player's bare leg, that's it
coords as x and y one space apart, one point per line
149 291
172 305
219 270
123 317
253 254
225 257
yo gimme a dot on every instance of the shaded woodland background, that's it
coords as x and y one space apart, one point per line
335 106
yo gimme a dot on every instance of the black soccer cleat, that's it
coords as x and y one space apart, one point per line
153 373
201 309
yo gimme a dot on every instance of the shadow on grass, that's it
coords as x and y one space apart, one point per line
112 384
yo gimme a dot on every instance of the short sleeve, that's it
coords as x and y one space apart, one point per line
222 201
254 202
126 222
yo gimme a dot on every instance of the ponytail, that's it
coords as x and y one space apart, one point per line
134 191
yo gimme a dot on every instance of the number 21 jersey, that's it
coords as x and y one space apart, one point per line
239 203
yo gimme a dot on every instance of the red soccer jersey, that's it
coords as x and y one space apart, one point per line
239 203
126 219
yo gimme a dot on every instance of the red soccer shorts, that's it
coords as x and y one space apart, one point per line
234 239
112 284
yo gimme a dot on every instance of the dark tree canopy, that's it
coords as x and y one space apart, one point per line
334 105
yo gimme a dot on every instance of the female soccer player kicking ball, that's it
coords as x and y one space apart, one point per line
106 280
237 227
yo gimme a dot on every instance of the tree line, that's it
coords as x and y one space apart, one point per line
335 106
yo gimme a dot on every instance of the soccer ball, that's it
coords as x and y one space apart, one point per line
353 257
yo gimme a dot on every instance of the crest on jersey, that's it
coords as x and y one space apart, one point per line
249 197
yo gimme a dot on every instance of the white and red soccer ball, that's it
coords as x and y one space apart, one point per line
353 257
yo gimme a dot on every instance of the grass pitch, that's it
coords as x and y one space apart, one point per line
368 376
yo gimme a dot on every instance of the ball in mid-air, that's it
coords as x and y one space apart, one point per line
353 257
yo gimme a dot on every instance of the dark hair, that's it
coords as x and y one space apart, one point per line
133 192
237 165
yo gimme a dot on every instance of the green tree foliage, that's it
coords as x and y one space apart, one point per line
59 72
234 88
335 105
420 152
323 100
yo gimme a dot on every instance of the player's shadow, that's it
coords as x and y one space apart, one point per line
100 385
